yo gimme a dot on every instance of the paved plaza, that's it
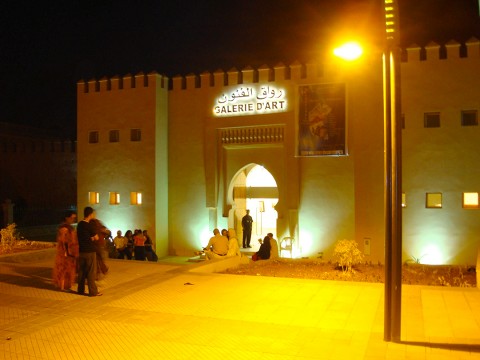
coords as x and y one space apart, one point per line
175 309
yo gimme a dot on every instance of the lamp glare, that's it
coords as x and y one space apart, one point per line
349 51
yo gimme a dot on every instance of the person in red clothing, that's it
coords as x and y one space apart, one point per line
139 243
65 268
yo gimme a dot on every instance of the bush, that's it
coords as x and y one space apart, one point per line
8 238
347 254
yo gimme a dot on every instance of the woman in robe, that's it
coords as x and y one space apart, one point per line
233 247
65 268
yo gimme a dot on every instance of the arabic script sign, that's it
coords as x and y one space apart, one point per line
250 100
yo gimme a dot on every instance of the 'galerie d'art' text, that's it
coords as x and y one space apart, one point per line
249 101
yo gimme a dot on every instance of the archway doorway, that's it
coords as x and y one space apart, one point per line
254 188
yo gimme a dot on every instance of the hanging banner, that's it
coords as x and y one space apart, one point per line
321 123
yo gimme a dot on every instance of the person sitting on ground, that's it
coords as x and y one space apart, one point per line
149 252
129 248
225 233
233 248
139 242
120 245
273 246
217 247
264 252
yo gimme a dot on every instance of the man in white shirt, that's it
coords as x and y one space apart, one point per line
217 247
120 245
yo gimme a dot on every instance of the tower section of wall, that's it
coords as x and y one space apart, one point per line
441 81
122 140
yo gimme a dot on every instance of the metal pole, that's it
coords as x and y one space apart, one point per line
393 176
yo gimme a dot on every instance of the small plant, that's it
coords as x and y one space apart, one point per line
347 254
8 238
414 260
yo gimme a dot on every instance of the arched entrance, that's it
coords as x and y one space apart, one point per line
254 188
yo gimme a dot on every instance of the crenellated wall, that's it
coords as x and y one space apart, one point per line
195 154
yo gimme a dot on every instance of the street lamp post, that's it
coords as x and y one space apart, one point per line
392 167
393 174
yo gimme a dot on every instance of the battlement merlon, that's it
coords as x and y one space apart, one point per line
453 48
248 75
126 82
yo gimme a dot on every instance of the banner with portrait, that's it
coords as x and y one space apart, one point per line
321 123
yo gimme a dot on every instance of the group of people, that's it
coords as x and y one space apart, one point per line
80 254
225 244
222 244
135 245
268 248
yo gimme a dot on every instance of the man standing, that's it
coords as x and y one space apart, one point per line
247 229
217 246
87 258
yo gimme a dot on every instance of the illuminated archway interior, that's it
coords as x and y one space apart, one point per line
255 189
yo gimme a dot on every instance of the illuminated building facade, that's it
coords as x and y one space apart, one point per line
177 156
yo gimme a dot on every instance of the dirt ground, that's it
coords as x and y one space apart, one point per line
412 274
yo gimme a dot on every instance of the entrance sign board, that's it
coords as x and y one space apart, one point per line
251 100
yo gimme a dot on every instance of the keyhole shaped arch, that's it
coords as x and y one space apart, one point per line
253 187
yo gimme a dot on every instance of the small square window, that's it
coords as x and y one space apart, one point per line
114 135
432 120
135 134
114 198
93 197
93 137
469 118
434 200
404 200
470 200
136 198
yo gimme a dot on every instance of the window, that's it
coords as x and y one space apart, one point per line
434 201
136 198
470 200
432 120
93 197
93 137
404 200
114 135
135 135
469 118
114 198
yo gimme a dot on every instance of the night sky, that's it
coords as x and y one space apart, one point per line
46 47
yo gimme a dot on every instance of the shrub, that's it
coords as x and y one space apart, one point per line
8 238
347 254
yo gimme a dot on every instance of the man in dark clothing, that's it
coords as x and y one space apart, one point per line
247 229
87 258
